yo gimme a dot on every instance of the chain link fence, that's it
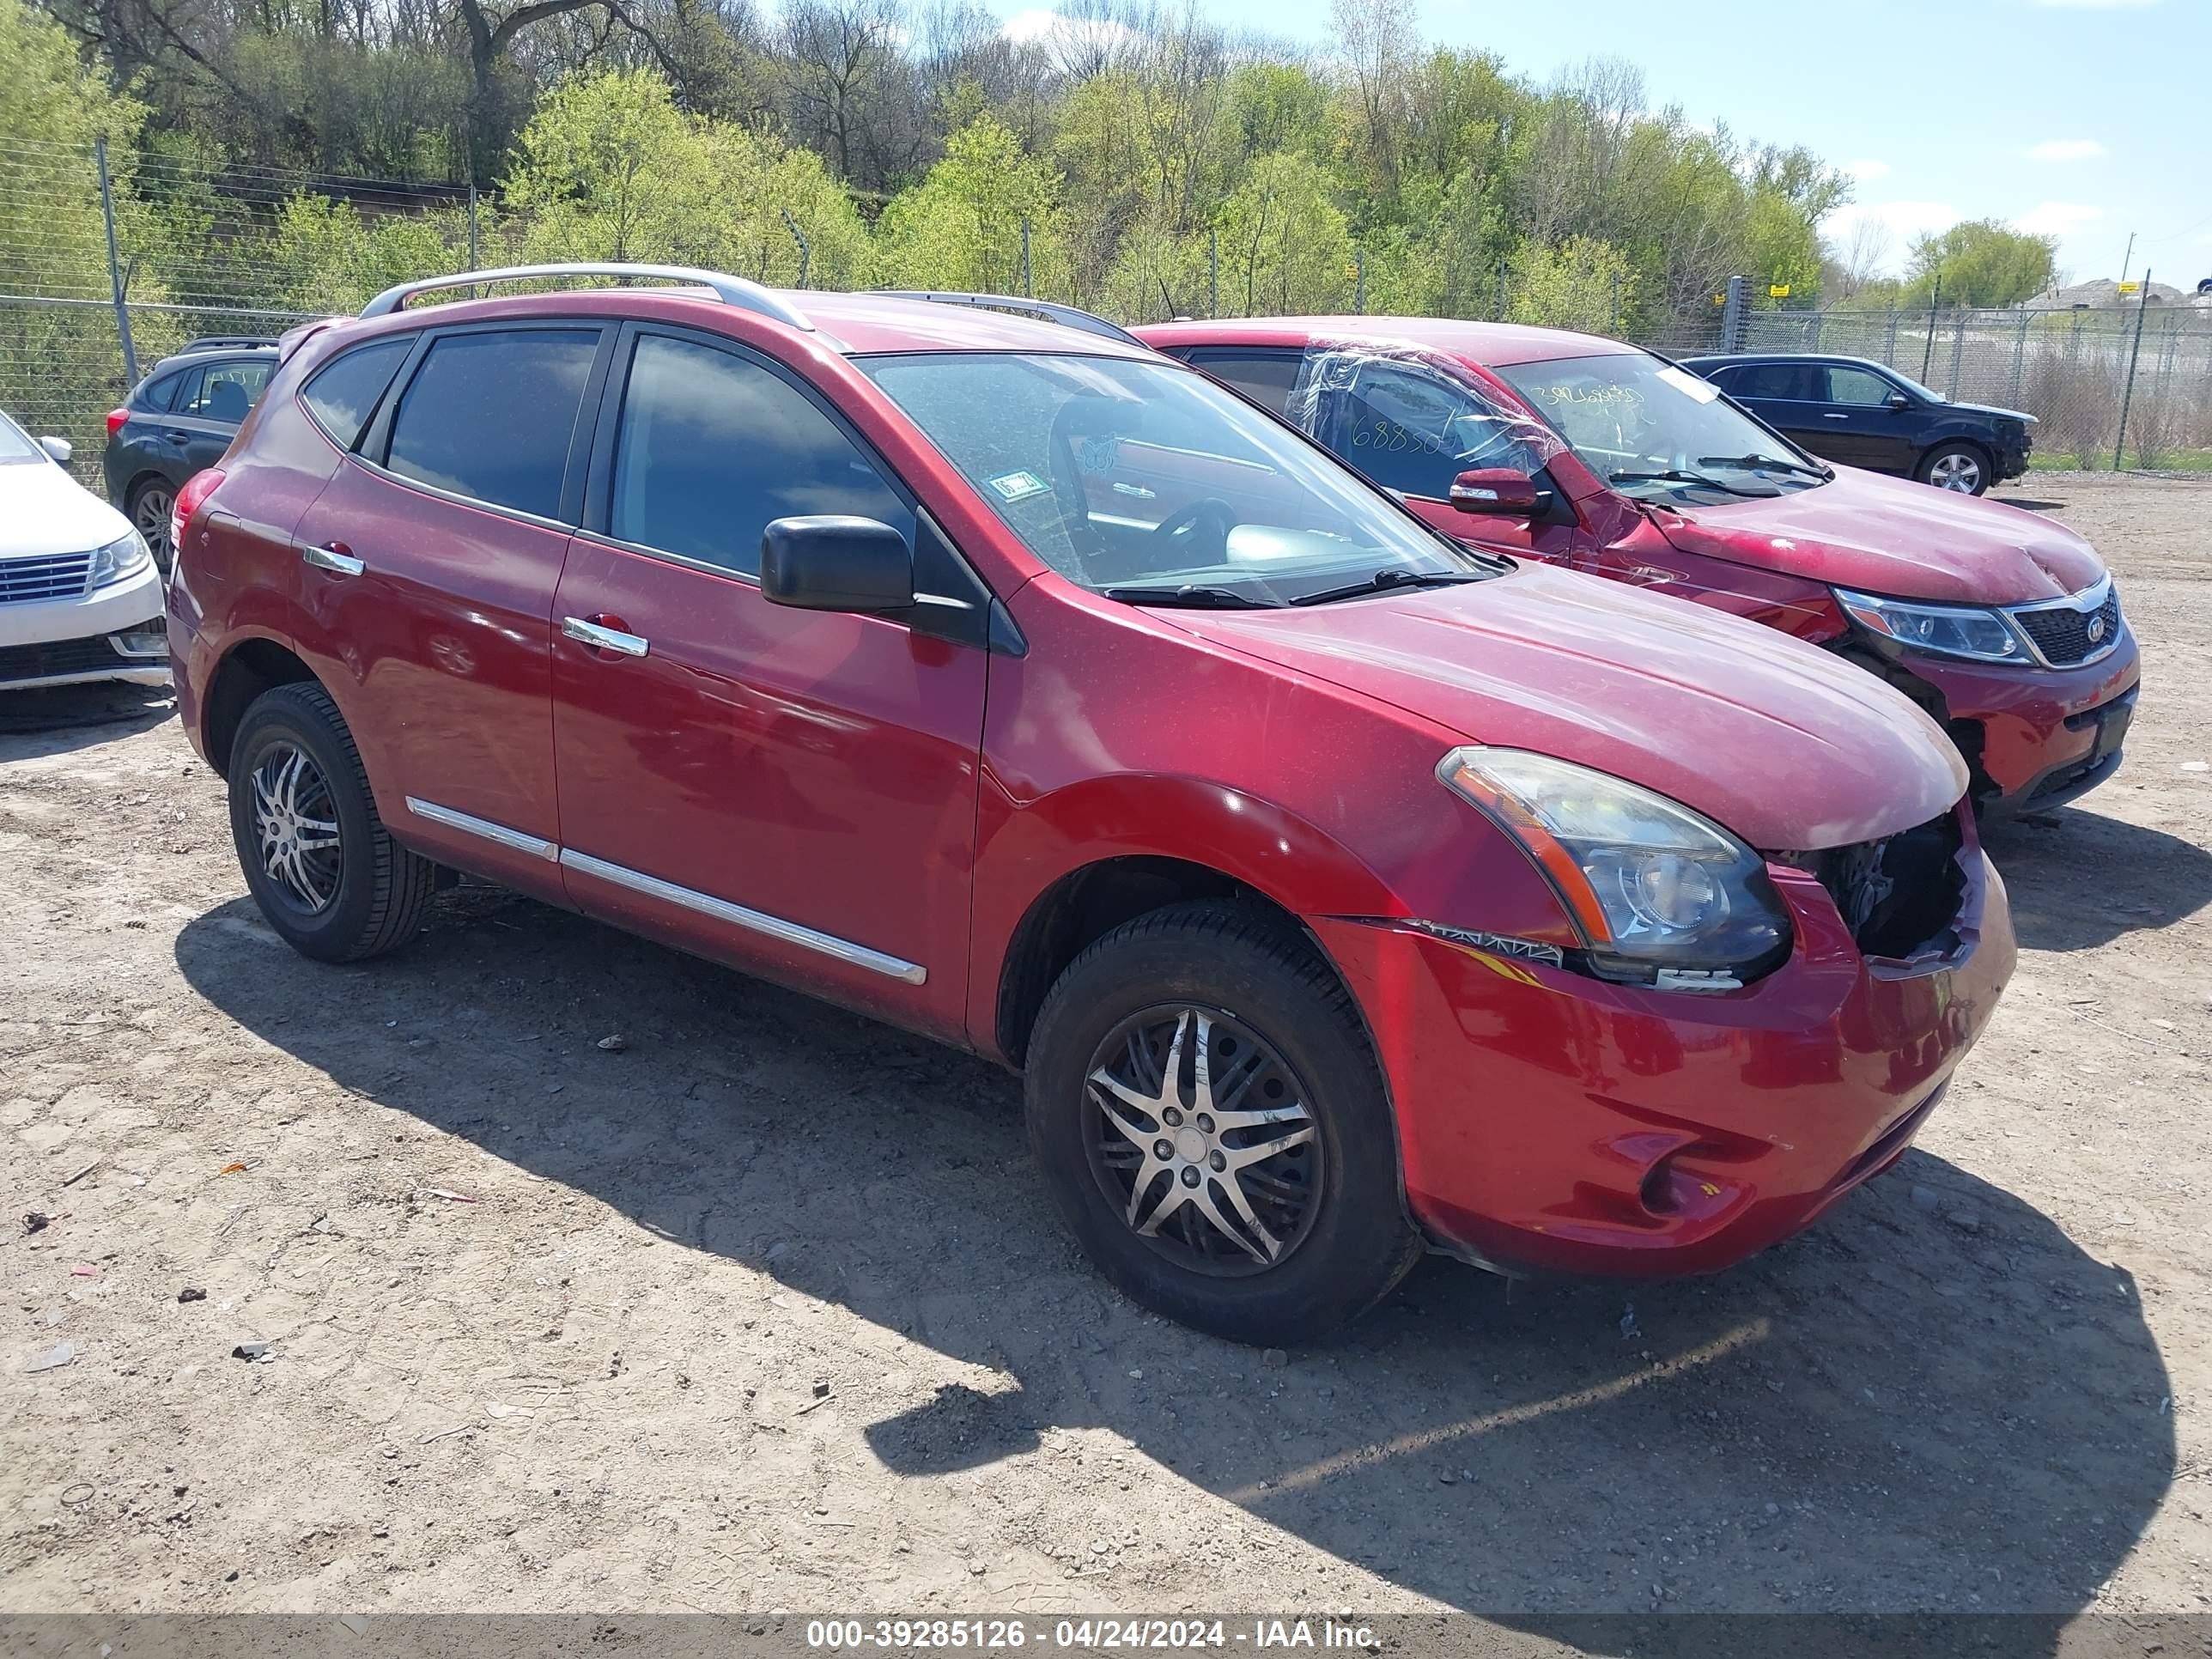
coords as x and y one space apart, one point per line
109 262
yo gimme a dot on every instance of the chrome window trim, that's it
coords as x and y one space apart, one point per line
457 498
2089 600
537 846
758 922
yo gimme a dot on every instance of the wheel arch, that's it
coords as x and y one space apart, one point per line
252 665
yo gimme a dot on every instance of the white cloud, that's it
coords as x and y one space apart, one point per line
2057 218
1902 220
1866 171
2066 149
1066 39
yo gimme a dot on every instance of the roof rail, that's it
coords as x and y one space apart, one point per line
730 290
218 341
1046 310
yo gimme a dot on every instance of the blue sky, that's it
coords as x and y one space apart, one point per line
2085 118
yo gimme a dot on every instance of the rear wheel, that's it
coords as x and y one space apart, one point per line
147 508
328 877
1210 1120
1960 467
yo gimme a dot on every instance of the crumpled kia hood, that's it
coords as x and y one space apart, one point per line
1792 749
43 510
1890 535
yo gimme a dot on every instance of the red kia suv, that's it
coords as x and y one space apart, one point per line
1338 889
2004 625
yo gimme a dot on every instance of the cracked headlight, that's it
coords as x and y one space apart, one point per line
1661 894
124 557
1943 630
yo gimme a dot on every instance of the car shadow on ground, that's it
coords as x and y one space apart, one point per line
1934 1401
2078 879
57 719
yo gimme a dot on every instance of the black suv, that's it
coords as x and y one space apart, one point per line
1866 414
178 420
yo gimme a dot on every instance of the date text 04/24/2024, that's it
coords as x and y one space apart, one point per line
1086 1634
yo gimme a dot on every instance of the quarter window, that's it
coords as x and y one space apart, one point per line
492 415
345 391
712 446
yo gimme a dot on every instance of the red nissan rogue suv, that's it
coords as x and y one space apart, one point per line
1338 889
2003 625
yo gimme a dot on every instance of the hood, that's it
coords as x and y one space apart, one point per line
1993 412
44 510
1792 749
1890 535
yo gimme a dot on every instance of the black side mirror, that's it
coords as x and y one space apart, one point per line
1898 400
831 561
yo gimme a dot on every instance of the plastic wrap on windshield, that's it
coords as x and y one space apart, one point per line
1402 412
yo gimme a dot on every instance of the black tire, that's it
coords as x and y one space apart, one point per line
376 888
1262 976
1945 457
140 506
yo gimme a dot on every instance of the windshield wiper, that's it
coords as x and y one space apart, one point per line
1772 463
1392 576
1190 597
1697 478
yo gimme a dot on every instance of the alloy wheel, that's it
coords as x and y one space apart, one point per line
1202 1136
1956 471
296 819
150 518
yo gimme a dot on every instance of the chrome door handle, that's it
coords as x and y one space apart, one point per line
606 638
1832 415
336 557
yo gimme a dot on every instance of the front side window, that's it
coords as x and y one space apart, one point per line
491 414
346 389
1652 430
1150 482
712 446
1859 388
1410 429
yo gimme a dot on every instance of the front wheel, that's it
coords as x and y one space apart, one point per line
1210 1120
327 875
147 509
1959 467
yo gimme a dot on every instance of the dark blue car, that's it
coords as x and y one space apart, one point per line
177 421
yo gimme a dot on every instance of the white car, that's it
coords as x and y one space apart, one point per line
80 599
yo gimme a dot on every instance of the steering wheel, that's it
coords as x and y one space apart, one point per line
1213 514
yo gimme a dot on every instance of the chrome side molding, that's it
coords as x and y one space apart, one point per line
705 904
758 922
514 840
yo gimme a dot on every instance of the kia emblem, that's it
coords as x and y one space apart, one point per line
2096 629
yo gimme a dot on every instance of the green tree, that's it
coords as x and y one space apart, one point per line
1285 247
1980 262
1582 284
961 227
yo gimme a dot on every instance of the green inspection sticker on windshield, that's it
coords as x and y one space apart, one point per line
1018 486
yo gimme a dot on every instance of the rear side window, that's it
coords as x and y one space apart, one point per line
711 447
491 415
1791 382
345 391
1265 377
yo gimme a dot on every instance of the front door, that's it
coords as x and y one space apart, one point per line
792 791
1870 433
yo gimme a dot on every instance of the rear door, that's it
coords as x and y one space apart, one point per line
1792 398
1411 430
793 791
429 564
210 406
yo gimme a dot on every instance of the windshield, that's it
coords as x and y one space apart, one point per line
1654 431
16 445
1148 482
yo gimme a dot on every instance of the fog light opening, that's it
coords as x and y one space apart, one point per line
1657 1192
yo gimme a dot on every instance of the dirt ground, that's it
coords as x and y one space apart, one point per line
761 1310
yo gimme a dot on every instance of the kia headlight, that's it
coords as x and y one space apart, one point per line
124 557
1661 894
1943 630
